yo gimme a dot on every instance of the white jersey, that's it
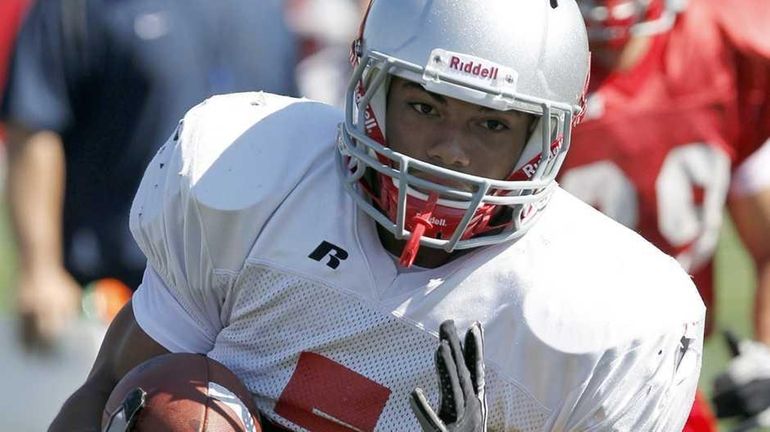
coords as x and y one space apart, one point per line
258 258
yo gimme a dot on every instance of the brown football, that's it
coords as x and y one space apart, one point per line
181 392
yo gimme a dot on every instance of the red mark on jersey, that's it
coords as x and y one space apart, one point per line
325 396
472 68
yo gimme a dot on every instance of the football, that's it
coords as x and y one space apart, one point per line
180 392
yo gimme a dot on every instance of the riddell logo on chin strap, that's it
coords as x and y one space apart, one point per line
438 222
474 68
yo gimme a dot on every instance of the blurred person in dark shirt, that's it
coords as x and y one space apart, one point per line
94 85
11 15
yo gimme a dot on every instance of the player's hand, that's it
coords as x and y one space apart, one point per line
460 369
49 299
743 390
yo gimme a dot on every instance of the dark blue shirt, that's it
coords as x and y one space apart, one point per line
113 77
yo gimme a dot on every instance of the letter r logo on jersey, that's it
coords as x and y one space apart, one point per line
335 253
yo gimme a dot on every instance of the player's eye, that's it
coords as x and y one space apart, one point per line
423 108
494 125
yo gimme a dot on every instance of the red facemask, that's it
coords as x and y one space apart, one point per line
614 31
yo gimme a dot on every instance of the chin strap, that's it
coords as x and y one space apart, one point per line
419 222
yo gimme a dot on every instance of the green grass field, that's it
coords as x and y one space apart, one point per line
734 293
7 259
735 281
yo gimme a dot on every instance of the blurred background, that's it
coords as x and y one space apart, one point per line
313 39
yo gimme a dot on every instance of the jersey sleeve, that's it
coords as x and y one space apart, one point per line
167 227
652 385
646 387
743 24
209 191
648 380
159 313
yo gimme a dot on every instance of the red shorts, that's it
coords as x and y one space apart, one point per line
701 418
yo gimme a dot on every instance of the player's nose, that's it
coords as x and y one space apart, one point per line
448 148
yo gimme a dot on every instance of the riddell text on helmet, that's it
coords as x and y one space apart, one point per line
473 68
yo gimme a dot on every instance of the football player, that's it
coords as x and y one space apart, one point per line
313 252
678 98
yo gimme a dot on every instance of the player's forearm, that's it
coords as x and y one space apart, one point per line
83 410
751 214
760 251
36 173
125 345
762 303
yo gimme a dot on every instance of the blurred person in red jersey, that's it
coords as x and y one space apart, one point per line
678 99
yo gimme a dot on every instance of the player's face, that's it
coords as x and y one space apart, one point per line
609 22
454 134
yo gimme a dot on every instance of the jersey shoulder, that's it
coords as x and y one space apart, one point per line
249 143
595 301
611 274
742 23
211 188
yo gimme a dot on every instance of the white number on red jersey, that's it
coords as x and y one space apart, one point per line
684 217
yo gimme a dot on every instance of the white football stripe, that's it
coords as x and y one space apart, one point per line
232 401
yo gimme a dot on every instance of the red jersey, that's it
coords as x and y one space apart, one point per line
11 14
656 147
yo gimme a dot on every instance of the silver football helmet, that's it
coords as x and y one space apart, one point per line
530 56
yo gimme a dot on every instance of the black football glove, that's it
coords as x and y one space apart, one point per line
460 369
743 390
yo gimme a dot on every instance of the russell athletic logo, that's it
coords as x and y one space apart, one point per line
335 254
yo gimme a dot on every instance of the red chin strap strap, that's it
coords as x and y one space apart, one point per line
420 221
